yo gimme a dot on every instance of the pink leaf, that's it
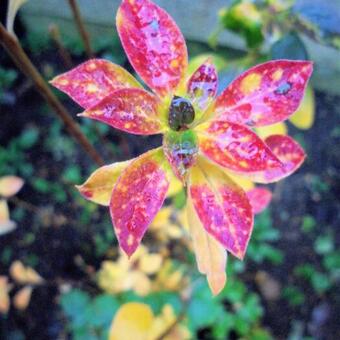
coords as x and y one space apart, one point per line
288 151
137 197
265 94
130 110
222 206
90 82
202 86
235 147
153 43
259 199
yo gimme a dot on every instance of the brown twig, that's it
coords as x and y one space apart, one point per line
64 54
20 58
24 204
81 28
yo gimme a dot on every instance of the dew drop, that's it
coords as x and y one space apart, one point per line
283 88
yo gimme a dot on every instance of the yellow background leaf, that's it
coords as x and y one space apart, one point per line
4 297
24 275
303 118
275 129
132 322
10 185
22 298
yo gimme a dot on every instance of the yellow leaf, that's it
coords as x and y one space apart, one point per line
6 225
140 283
275 129
99 186
162 218
175 186
22 298
24 275
169 278
13 8
113 277
132 322
4 212
211 257
150 263
10 185
303 118
244 182
4 297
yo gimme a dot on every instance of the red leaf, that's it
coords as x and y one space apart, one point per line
235 147
131 110
202 86
222 206
259 199
153 43
288 151
93 80
137 197
265 94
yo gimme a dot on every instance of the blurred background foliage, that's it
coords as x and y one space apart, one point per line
61 272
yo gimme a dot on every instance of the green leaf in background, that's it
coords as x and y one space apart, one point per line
203 310
289 46
321 282
324 244
101 310
243 17
294 295
308 223
74 303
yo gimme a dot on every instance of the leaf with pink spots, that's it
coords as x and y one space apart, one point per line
265 94
90 82
259 199
153 43
131 110
211 257
235 147
137 197
98 187
288 151
202 85
222 206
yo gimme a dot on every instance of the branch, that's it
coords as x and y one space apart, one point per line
22 61
64 54
81 28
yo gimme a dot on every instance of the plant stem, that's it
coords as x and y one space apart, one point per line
20 58
64 54
81 28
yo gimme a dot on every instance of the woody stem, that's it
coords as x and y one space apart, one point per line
22 61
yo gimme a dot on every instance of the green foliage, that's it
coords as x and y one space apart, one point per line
294 295
243 17
264 231
308 223
90 318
